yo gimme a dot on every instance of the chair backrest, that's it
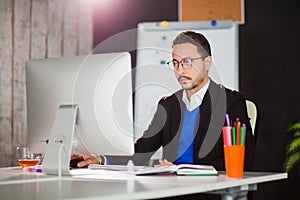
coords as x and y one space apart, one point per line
252 113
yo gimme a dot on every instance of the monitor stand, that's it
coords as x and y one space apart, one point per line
59 147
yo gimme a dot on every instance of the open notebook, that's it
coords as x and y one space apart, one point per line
180 170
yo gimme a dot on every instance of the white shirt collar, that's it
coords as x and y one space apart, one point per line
196 99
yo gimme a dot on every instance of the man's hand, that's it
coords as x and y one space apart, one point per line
164 162
87 159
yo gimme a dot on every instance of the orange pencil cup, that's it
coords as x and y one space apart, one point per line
234 160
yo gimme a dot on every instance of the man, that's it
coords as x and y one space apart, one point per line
188 123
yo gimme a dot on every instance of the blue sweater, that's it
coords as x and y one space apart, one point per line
186 140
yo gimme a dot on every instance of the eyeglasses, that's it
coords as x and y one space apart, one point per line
186 63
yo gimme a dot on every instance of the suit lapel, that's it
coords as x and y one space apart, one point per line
176 117
178 120
214 108
203 119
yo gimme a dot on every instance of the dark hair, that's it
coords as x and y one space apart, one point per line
196 39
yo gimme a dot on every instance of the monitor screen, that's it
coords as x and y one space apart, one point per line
99 84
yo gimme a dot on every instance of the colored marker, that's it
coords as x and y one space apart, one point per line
227 135
227 120
238 129
242 136
233 136
245 133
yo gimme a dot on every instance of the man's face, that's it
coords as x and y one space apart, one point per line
194 76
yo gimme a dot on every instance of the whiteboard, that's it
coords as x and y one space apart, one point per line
153 77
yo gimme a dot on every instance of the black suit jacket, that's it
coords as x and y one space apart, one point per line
164 129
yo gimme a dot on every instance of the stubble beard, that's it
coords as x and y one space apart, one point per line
192 85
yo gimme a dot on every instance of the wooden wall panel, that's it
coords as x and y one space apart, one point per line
5 82
39 28
54 39
21 45
70 28
85 37
33 29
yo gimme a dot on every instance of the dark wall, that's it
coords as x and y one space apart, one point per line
269 42
269 74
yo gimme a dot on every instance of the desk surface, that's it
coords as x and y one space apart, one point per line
17 184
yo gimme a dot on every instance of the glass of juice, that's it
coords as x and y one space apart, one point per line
26 158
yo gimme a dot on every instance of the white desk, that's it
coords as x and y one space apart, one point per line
16 184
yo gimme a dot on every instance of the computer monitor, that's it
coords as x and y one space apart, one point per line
99 86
